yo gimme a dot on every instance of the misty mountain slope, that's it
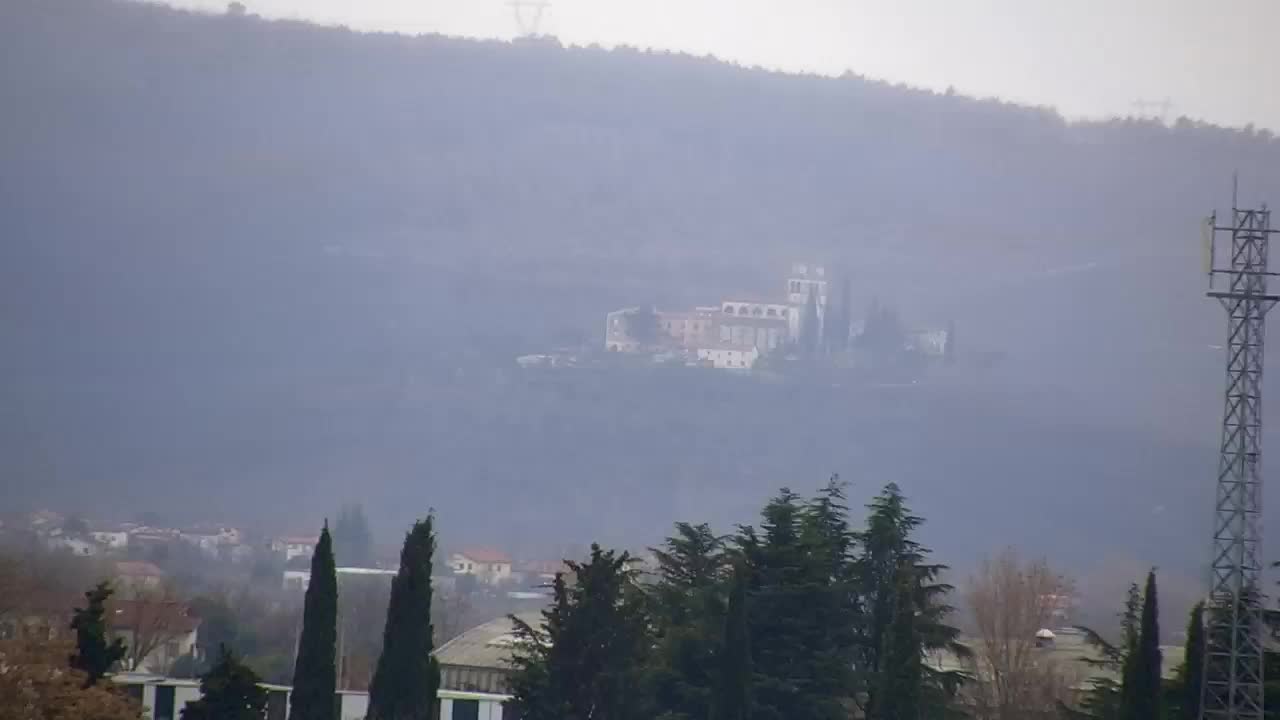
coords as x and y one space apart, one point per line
243 257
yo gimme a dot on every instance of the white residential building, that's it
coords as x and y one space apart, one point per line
487 565
728 357
112 538
293 547
75 545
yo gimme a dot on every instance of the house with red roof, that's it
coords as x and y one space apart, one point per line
489 566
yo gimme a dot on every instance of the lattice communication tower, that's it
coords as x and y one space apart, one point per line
1236 262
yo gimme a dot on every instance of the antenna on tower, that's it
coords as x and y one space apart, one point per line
528 14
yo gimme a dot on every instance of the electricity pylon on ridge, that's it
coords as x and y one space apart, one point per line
1233 683
528 15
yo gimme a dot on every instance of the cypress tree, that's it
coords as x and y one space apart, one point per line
314 673
94 655
811 325
1130 629
1193 665
229 691
407 676
731 700
352 540
1141 692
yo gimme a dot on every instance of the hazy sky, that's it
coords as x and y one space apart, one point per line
1087 57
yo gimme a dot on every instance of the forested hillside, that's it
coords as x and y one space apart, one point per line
250 263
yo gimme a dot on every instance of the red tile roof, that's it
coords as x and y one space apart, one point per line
485 555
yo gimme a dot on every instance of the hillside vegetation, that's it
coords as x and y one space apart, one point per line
249 265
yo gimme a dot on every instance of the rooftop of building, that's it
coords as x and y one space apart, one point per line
485 646
484 555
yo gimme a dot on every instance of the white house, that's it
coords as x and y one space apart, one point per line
211 538
111 538
487 565
728 357
293 547
77 546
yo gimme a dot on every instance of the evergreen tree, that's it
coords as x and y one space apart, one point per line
1143 697
811 324
407 676
352 540
803 609
831 584
94 655
901 672
1131 629
1191 678
1105 698
688 610
586 660
228 691
314 673
835 327
778 622
846 314
888 555
732 699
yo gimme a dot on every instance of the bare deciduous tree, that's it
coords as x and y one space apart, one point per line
149 622
1010 602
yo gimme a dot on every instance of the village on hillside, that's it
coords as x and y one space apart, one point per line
802 326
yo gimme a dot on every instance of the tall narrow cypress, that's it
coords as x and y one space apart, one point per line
1193 665
1141 695
407 676
315 672
731 700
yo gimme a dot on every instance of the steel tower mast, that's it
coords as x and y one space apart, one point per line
1233 656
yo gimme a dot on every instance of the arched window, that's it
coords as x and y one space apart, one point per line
757 311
